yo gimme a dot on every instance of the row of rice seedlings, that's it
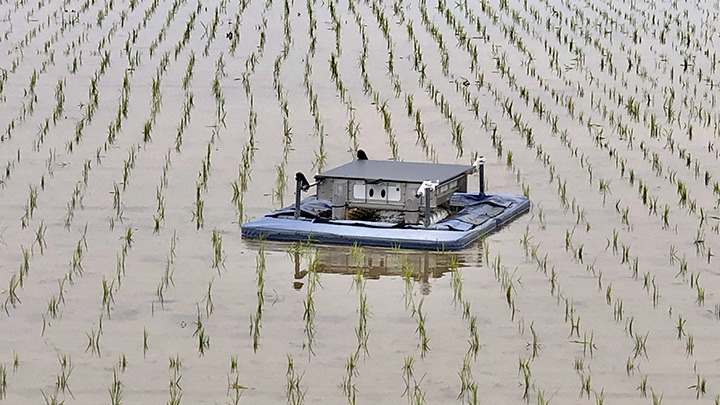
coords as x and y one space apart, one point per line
468 385
211 30
335 26
654 131
381 107
318 128
234 34
248 152
162 33
639 341
313 281
217 92
27 108
188 102
167 277
44 128
159 217
256 318
439 100
278 193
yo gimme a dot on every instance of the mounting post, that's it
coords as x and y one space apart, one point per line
301 184
480 165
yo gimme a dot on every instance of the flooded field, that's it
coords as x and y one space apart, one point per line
136 136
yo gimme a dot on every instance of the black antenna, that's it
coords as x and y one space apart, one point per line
361 155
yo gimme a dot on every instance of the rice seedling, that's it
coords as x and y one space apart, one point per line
309 302
421 330
62 378
175 391
348 383
116 389
209 306
108 298
256 318
699 387
640 342
146 347
587 344
236 388
3 381
534 345
294 394
361 331
218 253
689 346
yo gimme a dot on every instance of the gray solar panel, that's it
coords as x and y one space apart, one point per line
388 170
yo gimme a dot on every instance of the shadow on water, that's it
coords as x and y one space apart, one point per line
372 262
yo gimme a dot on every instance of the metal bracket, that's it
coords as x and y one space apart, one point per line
425 189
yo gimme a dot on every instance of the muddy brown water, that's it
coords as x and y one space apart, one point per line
119 257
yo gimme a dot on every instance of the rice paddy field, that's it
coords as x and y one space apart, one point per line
136 136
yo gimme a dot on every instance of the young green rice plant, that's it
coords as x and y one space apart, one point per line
618 310
456 281
466 379
294 394
146 347
219 254
408 375
94 339
361 331
203 342
3 381
421 330
12 297
640 348
585 386
534 345
175 391
256 318
680 327
235 389
587 344
61 380
309 302
474 340
699 387
108 295
409 282
199 205
348 383
689 346
575 326
116 389
209 306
